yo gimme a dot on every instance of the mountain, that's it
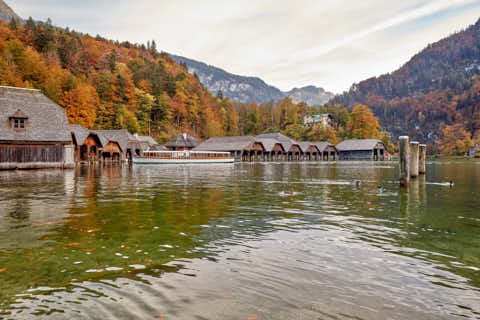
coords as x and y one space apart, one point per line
237 88
248 89
439 86
311 95
6 13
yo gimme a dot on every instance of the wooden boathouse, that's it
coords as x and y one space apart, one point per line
293 152
242 148
327 151
87 144
274 150
362 149
147 143
182 142
118 145
310 151
34 131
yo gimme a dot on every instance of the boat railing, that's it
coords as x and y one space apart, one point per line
186 155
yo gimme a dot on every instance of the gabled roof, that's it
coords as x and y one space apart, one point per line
122 137
304 146
269 144
147 139
322 146
79 132
359 144
227 144
182 141
286 141
47 121
160 148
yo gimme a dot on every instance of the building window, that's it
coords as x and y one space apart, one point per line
18 123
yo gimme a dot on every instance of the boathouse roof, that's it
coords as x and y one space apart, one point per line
80 133
358 144
269 144
304 146
238 143
44 120
322 146
182 141
147 143
122 137
147 139
286 141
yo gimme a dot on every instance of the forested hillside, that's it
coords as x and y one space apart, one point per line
105 84
438 87
109 85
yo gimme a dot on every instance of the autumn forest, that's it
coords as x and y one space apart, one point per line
103 84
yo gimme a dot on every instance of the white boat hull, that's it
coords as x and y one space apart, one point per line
179 161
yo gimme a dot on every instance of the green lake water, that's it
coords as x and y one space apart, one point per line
241 241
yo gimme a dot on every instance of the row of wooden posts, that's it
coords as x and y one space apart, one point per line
412 157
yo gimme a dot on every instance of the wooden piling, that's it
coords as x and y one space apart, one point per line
422 159
404 159
414 157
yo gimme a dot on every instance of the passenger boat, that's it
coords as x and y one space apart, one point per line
164 157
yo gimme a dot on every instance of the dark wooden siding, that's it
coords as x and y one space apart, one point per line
12 153
356 155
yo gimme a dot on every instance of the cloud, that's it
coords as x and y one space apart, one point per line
329 43
425 10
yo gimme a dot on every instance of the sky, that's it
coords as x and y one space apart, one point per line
326 43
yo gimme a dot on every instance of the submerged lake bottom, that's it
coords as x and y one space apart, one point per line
249 241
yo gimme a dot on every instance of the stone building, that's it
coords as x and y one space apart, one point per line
325 120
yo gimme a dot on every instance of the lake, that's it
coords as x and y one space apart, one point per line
241 241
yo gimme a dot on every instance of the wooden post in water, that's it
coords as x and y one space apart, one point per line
422 158
404 158
414 156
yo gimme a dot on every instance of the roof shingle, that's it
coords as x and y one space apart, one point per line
358 144
45 120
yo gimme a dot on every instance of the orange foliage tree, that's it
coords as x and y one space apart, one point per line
455 140
81 105
363 124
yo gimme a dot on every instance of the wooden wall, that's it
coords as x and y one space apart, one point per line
23 153
112 147
356 155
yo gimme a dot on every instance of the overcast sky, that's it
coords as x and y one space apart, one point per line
327 43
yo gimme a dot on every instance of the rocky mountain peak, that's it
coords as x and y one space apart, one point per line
7 14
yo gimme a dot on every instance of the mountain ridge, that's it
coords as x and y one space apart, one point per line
437 87
7 14
246 89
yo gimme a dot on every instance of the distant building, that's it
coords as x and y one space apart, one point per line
242 148
118 145
34 131
88 144
362 149
182 142
148 143
327 151
325 120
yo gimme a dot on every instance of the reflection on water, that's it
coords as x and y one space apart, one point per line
262 241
